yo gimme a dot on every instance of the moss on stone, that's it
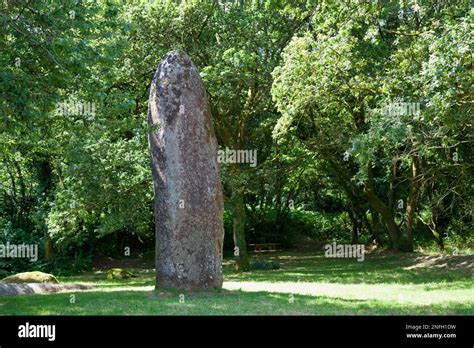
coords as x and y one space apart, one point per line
31 277
118 273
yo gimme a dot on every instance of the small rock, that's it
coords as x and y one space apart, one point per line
31 277
118 273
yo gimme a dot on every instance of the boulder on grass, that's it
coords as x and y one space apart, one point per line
31 277
118 273
39 288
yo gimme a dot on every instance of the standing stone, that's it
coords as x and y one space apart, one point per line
188 194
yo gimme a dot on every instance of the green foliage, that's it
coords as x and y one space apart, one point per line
305 83
17 236
320 226
340 77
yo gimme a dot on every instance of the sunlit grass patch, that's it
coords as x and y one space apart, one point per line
305 285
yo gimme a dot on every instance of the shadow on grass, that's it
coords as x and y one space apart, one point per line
438 272
218 303
431 272
390 268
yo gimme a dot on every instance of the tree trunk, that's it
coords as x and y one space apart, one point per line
391 190
240 250
383 210
374 227
412 199
355 226
48 248
433 227
45 175
437 236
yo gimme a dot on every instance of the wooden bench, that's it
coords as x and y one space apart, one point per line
265 247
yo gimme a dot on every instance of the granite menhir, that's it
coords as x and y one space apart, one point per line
188 194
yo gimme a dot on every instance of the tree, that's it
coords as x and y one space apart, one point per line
340 78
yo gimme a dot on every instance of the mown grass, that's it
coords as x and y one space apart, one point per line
306 284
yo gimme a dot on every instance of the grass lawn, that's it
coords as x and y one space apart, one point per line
306 284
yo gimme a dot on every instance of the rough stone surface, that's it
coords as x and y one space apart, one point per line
39 288
30 277
188 195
